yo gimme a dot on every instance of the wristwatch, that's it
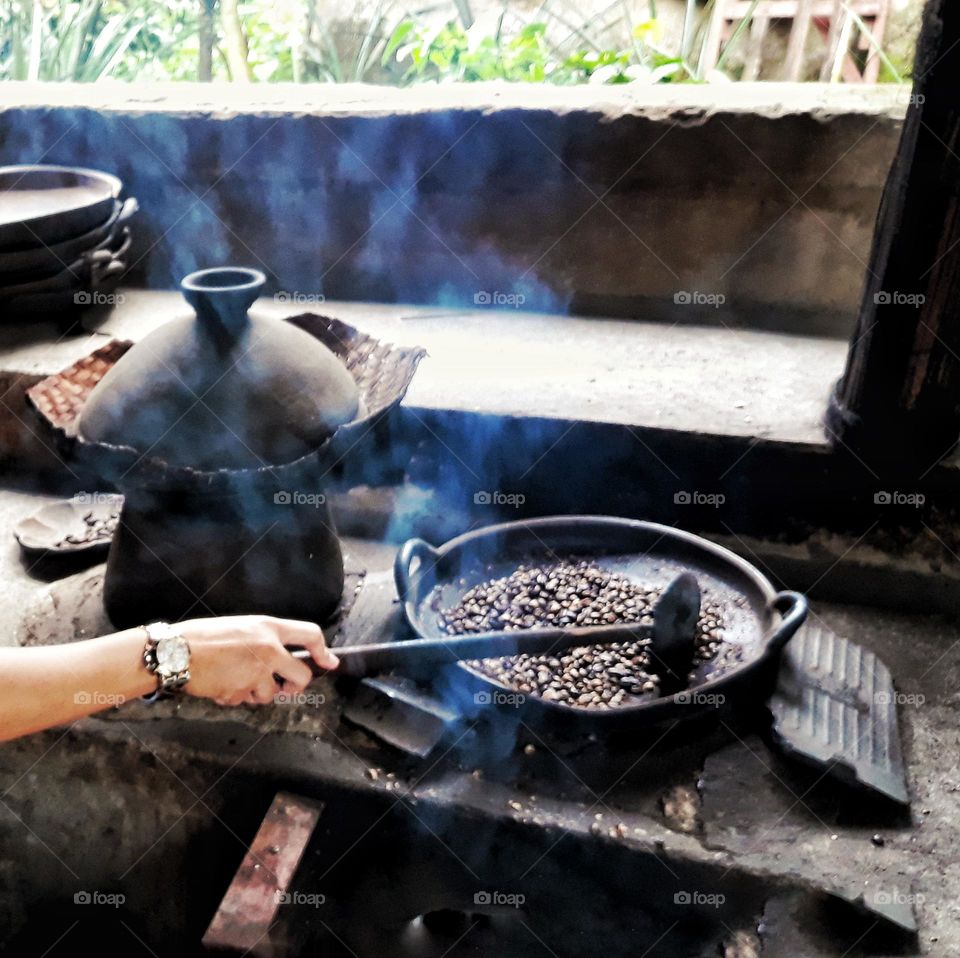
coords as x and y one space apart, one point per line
167 656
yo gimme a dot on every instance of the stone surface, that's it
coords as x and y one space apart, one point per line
174 792
589 200
762 819
704 379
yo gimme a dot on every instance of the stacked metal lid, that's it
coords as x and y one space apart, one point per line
63 239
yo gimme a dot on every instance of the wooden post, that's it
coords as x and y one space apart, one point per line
797 45
754 58
898 402
838 18
871 72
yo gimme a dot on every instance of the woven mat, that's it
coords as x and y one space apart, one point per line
383 372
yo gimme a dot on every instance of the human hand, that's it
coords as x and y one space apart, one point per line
234 659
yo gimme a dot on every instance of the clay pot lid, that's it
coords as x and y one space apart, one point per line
223 389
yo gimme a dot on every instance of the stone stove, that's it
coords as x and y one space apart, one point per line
594 836
617 836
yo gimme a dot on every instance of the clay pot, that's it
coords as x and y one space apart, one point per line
252 543
213 427
222 390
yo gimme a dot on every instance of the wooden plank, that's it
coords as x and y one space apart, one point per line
797 45
787 9
848 66
897 406
837 18
242 923
871 72
758 33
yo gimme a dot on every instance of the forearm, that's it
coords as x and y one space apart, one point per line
46 686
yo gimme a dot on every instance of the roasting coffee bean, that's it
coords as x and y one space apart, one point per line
95 528
573 593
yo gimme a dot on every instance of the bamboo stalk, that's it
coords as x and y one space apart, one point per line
36 42
236 42
206 36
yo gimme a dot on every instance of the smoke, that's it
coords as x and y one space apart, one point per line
413 208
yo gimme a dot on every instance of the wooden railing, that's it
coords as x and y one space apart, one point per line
835 20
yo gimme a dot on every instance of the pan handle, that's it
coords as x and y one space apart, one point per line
130 206
413 550
793 609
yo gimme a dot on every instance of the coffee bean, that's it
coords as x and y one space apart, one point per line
568 593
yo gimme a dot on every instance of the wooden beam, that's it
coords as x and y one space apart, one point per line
787 9
241 925
897 406
837 19
871 72
797 45
758 33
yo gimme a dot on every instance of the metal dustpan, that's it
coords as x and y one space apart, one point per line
835 705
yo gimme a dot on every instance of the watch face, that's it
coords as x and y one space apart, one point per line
173 655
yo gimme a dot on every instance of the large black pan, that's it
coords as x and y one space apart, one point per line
43 205
758 620
40 262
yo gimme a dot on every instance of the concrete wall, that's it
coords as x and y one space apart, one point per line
611 200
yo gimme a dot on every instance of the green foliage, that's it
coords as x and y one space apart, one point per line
451 53
168 46
380 42
79 41
89 40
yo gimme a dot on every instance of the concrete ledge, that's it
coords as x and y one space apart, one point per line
700 380
595 201
363 99
717 430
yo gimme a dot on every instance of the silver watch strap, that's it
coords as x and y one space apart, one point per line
166 684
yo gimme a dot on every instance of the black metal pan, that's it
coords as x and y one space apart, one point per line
758 620
28 265
51 204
